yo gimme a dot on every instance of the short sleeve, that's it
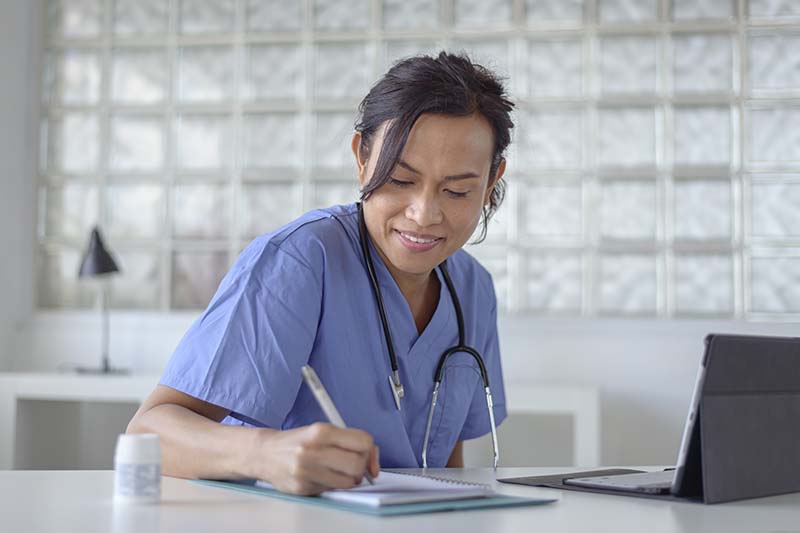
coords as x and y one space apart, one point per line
245 351
477 423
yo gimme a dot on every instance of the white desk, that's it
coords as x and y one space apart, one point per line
39 501
61 387
582 403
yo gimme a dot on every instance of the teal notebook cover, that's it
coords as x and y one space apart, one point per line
498 500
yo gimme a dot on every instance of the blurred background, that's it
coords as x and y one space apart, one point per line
653 193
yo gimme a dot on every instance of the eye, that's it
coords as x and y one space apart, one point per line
457 194
400 183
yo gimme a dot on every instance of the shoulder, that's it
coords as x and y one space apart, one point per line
306 241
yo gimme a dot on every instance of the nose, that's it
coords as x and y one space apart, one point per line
424 210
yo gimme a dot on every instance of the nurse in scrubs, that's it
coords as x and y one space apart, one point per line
429 143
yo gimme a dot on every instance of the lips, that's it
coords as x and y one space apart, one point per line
417 242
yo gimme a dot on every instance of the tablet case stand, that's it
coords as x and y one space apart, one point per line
746 441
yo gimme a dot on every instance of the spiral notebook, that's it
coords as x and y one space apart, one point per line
392 488
394 494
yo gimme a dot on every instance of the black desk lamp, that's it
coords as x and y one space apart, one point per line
98 263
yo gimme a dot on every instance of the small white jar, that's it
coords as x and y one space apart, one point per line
137 469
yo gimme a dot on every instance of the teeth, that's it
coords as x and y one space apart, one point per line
417 239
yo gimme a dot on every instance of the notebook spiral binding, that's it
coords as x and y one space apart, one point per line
445 480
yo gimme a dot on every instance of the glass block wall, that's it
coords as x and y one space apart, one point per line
655 169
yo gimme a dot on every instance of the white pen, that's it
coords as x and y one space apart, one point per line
324 400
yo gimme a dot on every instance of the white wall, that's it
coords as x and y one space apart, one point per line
20 65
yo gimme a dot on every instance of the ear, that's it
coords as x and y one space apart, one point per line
361 163
501 169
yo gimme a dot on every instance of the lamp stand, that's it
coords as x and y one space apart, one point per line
105 367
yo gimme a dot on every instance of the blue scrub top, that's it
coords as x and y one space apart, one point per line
301 295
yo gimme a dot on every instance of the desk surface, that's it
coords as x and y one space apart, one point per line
38 501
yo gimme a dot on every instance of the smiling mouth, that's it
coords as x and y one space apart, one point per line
418 243
418 239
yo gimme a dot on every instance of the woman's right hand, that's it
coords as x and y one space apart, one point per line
315 458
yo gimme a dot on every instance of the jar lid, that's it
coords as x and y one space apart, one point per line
138 448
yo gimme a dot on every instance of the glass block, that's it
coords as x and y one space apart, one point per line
328 193
777 9
140 17
70 211
265 207
75 18
200 211
703 9
205 73
552 210
338 15
628 210
618 11
703 210
273 72
551 139
703 284
73 143
397 50
495 260
555 68
341 71
776 209
134 211
554 281
331 141
703 136
482 14
774 136
627 137
138 76
207 16
58 285
272 141
203 142
548 11
492 54
195 278
627 284
273 15
139 285
775 284
410 14
702 63
628 64
136 144
774 61
76 77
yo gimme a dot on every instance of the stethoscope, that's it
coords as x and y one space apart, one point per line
394 380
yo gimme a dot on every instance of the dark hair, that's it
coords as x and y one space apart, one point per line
450 84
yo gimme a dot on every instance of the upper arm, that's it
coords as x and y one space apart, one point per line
163 395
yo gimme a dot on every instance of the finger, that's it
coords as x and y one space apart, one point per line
346 462
374 462
330 478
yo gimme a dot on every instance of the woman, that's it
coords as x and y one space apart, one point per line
429 147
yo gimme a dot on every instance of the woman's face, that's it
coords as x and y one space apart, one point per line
433 201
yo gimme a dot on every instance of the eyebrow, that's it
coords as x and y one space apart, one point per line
463 176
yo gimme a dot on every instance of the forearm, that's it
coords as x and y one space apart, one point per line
193 446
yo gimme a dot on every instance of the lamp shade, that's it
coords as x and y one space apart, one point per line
97 260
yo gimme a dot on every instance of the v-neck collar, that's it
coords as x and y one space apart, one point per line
409 343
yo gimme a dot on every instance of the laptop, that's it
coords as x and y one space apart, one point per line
686 478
